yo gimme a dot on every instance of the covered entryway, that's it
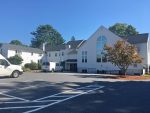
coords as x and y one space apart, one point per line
71 65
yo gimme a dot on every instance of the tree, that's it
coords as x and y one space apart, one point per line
17 60
122 55
16 42
32 66
123 30
72 38
46 33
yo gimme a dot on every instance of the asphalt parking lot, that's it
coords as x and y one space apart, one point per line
72 93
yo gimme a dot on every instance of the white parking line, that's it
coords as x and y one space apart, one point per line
16 102
20 107
14 97
59 93
6 98
79 91
61 96
30 111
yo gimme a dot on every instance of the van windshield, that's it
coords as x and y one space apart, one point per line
3 62
46 63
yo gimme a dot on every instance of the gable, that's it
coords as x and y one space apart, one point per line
101 31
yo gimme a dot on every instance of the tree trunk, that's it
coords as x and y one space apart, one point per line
123 72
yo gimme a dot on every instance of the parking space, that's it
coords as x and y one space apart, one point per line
33 99
72 93
33 95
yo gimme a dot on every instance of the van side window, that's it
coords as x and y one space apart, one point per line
3 62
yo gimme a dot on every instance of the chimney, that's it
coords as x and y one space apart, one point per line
69 46
43 46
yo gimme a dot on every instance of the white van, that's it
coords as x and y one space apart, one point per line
51 66
7 69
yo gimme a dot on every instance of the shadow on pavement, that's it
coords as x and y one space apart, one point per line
115 97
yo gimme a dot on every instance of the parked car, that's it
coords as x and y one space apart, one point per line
7 69
51 66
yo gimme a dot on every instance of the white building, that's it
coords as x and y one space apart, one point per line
66 54
28 54
88 56
91 57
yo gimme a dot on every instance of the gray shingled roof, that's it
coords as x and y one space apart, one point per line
21 48
140 38
73 44
72 52
49 47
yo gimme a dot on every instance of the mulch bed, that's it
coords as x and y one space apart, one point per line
127 77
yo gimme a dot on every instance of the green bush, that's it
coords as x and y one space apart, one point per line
26 69
32 66
39 66
17 60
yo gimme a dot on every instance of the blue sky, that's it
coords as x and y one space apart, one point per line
79 18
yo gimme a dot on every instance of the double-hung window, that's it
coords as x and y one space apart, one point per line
84 56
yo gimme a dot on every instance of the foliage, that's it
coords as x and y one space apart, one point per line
32 66
25 69
72 38
16 42
17 60
123 30
46 33
123 54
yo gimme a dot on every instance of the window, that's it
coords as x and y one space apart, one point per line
55 54
18 52
85 59
1 51
62 53
49 55
57 64
4 62
84 56
46 64
100 52
84 70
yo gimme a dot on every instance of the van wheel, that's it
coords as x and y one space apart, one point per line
15 74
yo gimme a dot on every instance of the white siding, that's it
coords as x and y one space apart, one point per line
26 56
90 46
142 49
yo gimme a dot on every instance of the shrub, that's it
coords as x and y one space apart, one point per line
32 66
25 69
17 60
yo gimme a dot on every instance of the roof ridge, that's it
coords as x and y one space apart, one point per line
20 45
